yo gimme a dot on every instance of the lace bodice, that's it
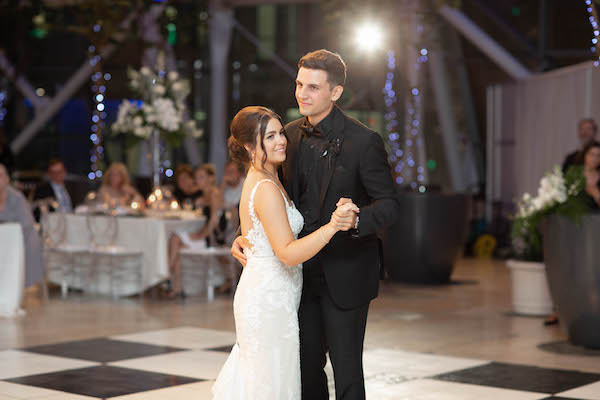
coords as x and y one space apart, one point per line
257 236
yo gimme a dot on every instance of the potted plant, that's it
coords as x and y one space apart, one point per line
557 195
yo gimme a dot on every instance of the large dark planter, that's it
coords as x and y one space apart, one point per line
428 237
572 258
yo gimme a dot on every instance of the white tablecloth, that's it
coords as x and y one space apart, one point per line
145 234
12 269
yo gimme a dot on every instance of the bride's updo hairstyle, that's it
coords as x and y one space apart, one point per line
247 128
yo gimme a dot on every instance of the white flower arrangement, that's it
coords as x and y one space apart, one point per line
161 106
552 191
557 194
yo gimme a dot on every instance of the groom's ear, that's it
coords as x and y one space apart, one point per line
336 93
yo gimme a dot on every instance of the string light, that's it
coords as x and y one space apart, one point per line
593 18
3 110
391 127
98 89
411 158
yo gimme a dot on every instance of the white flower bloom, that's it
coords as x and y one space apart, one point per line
172 75
137 121
167 116
146 71
139 131
178 86
159 90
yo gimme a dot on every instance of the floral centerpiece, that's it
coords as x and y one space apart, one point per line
558 194
160 107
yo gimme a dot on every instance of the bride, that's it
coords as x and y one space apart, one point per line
264 364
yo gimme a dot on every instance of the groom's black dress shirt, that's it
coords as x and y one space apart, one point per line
310 170
311 164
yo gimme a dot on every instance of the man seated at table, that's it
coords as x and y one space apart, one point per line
15 208
586 132
55 188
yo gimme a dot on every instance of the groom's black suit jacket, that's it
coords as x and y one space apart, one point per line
355 166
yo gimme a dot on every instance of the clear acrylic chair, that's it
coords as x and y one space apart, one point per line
64 262
123 265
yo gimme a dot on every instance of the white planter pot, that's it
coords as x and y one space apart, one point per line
530 294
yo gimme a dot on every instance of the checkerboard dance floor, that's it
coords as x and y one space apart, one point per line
182 363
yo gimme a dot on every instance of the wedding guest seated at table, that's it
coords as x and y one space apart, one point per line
211 203
15 208
55 188
586 132
186 193
116 189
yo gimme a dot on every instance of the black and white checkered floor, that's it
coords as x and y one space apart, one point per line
182 363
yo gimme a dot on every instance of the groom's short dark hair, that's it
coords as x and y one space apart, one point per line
327 61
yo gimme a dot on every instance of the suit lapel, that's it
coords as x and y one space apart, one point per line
331 157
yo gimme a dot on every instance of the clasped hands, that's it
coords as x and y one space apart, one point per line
344 217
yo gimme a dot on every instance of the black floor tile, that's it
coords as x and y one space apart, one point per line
224 349
102 350
558 398
103 381
521 377
566 347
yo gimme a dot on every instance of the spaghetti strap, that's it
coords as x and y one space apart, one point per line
251 202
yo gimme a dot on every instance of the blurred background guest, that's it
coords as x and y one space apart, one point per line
586 132
211 203
591 171
233 181
186 193
6 155
15 208
231 188
116 189
55 187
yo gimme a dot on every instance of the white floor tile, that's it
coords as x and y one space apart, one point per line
184 337
426 389
15 363
195 391
587 392
24 392
193 363
379 363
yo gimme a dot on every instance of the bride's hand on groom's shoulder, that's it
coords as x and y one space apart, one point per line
237 249
344 216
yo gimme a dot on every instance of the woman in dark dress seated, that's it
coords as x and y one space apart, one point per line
186 193
211 203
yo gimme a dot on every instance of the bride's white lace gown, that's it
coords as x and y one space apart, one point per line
264 364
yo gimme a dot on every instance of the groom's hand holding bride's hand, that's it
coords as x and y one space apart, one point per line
237 249
345 215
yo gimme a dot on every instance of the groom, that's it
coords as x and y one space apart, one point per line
330 157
